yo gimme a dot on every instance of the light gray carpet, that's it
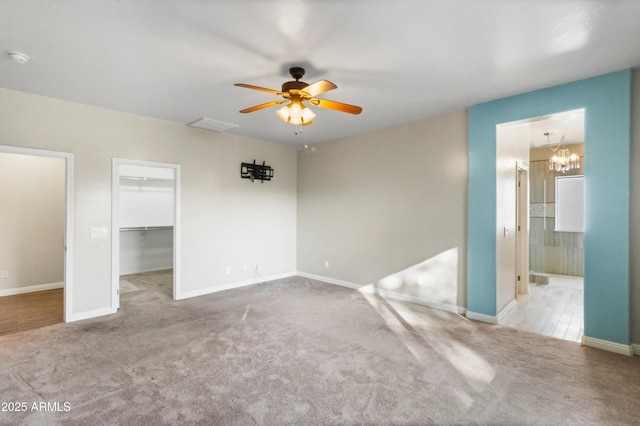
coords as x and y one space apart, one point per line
127 287
298 351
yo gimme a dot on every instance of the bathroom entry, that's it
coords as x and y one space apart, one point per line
145 225
552 303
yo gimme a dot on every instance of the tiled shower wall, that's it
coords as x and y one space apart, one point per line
549 251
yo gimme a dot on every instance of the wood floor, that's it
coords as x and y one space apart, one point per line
31 310
555 309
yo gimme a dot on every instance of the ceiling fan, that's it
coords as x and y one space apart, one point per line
296 92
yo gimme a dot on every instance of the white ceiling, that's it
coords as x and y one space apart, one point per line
399 60
564 128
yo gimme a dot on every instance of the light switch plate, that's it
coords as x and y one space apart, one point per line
98 232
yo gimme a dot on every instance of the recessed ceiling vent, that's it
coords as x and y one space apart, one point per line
210 124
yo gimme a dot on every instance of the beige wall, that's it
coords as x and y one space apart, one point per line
32 194
635 211
226 220
368 208
389 208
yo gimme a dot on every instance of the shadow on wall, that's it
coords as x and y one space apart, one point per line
433 280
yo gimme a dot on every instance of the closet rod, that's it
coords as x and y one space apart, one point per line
145 228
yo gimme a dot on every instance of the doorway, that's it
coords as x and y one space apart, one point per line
145 226
550 298
36 251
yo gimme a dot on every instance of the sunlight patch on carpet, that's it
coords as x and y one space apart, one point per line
127 287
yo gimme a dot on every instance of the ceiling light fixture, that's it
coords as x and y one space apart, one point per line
296 113
18 57
296 92
562 160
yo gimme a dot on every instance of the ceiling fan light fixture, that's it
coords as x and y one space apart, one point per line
296 92
296 113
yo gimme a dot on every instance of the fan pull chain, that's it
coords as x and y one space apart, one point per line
298 129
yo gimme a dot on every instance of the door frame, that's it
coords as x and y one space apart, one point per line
522 228
115 225
68 218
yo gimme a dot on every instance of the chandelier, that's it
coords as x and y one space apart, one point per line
562 160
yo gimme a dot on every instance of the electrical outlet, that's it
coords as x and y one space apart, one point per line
228 270
4 274
420 280
326 263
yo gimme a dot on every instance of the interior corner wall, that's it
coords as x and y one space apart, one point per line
32 220
607 100
635 212
388 208
225 220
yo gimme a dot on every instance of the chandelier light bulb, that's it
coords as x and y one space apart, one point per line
562 160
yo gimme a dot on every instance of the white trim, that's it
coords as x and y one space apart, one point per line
606 345
507 309
333 281
91 314
636 349
231 286
386 293
147 270
31 289
491 319
68 221
413 299
115 227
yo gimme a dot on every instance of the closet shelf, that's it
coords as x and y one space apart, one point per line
144 178
145 228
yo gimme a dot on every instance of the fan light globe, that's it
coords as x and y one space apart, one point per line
296 113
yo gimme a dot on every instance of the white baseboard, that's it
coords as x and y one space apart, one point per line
606 345
333 281
229 286
91 314
491 319
504 312
636 349
385 293
413 299
30 289
168 268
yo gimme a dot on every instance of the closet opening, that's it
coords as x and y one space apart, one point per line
145 228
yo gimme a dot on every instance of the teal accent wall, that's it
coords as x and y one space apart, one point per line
607 103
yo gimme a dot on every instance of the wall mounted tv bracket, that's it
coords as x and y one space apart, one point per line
255 171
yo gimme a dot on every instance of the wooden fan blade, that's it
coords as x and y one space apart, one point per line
262 106
264 89
338 106
319 87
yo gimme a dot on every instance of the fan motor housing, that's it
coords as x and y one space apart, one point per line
295 85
